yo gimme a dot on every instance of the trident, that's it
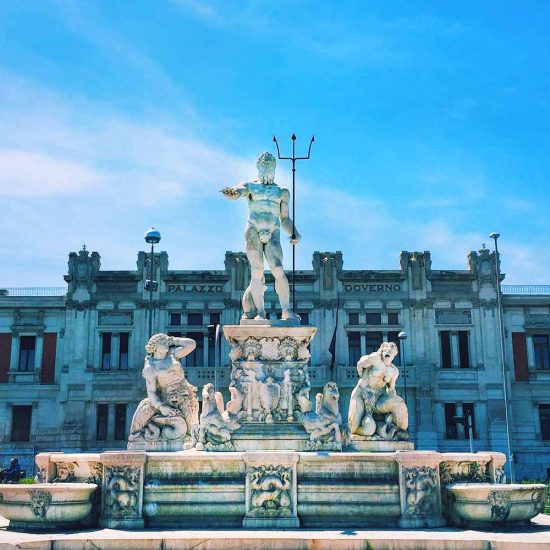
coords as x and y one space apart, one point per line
294 158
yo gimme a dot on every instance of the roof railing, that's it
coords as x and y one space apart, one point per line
526 290
34 291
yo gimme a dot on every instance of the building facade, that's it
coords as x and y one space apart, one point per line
71 358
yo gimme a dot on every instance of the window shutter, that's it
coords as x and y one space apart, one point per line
519 345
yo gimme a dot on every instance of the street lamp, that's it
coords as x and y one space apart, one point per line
152 237
402 337
214 331
495 237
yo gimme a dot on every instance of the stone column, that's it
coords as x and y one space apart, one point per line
115 350
122 489
14 357
455 358
39 350
419 489
271 490
530 352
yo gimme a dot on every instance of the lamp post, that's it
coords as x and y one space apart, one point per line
152 237
495 237
215 329
402 337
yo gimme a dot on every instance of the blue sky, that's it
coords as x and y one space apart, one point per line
432 125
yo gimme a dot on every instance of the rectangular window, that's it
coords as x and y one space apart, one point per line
393 318
468 408
354 347
463 349
120 422
450 424
393 337
175 319
373 341
373 318
195 359
47 369
304 318
194 319
353 318
215 318
106 351
27 351
544 417
102 419
124 340
542 351
212 346
21 416
5 356
445 343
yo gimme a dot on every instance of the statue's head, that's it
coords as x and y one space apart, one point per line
159 344
266 167
388 351
208 392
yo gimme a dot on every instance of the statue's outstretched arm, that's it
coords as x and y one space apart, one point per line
286 222
236 192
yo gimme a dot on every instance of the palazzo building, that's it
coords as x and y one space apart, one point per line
71 358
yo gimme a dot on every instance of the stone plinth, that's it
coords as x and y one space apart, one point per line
369 445
269 382
271 490
122 489
420 490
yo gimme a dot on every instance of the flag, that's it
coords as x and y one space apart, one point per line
332 347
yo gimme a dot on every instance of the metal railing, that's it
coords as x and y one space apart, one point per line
526 289
34 291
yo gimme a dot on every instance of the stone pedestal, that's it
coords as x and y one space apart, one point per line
122 489
271 490
269 383
419 489
368 445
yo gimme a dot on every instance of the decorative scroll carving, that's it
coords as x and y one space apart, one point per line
325 424
40 502
65 472
500 505
270 491
270 349
96 472
215 427
420 490
268 392
121 491
452 471
41 474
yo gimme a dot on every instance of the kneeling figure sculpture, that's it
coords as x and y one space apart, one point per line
376 411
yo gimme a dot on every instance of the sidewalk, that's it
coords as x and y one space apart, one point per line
536 537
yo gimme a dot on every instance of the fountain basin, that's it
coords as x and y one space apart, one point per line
47 506
481 505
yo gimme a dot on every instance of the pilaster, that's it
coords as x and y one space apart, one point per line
122 489
419 489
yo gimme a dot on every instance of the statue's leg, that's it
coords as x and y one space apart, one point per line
254 253
356 411
274 256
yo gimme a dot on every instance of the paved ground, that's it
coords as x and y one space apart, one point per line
537 538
